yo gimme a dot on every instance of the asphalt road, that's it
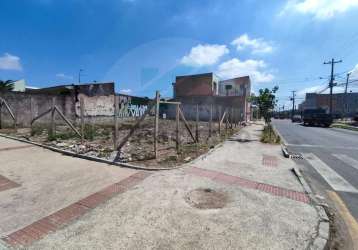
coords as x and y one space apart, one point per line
330 158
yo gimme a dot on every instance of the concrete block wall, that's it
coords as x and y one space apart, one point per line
219 104
26 106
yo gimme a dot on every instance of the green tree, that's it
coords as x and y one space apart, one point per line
7 85
266 101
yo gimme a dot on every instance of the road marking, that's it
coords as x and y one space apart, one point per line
348 160
347 217
337 182
320 146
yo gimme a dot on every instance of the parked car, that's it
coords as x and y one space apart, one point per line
355 118
317 117
296 118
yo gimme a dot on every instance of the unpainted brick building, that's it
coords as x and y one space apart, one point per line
207 89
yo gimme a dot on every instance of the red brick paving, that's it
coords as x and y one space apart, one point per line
37 230
235 180
269 160
6 184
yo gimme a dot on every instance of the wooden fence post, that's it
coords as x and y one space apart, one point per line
177 128
52 124
116 110
82 112
232 118
156 123
0 113
226 121
31 111
186 125
210 120
197 123
219 119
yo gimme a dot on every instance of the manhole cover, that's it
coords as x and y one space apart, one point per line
206 198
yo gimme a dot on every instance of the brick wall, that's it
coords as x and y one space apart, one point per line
195 85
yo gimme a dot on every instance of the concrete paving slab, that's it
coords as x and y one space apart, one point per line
156 213
48 182
244 159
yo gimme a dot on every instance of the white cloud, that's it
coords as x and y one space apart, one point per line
312 89
253 68
10 62
204 55
257 46
125 91
64 76
320 9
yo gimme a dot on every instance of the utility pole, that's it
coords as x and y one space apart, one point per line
345 96
79 75
331 83
293 102
283 111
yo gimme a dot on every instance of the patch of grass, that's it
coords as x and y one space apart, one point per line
37 130
344 126
269 136
62 136
89 132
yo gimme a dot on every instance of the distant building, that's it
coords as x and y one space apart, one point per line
341 103
209 84
239 86
207 89
196 85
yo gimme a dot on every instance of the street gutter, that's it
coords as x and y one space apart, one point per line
321 238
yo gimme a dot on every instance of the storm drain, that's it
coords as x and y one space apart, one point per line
296 156
206 198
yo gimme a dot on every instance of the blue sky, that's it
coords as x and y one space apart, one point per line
143 44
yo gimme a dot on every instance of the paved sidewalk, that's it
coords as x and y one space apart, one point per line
258 205
36 182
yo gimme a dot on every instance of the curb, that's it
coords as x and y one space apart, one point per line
320 239
285 152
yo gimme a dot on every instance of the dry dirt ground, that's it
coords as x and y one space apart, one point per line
139 149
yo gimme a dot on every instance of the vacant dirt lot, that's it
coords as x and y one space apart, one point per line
139 149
